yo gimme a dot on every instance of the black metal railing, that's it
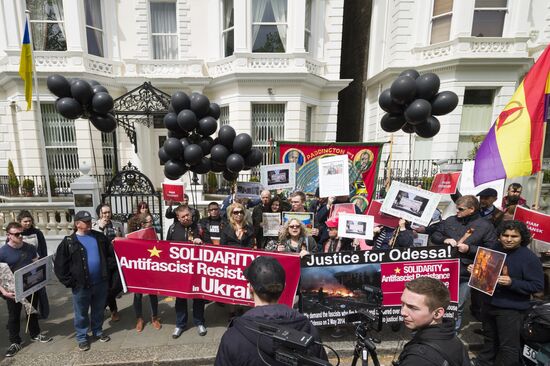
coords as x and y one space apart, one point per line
35 185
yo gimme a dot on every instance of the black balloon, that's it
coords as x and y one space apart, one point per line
207 126
93 82
99 89
173 148
69 108
171 122
388 104
403 89
428 129
410 73
102 102
103 122
171 109
427 85
187 120
59 86
214 111
418 111
203 167
180 101
193 154
253 158
72 80
206 145
200 104
177 134
392 122
163 156
234 163
174 169
219 153
217 167
82 92
185 142
407 128
242 144
230 176
227 134
444 102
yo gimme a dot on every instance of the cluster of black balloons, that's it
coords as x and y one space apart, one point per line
411 103
189 147
80 98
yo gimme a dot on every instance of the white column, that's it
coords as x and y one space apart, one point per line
13 24
463 15
296 25
74 25
242 26
295 116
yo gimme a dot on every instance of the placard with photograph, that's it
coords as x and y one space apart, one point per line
421 240
278 176
271 223
250 190
413 204
355 226
334 176
487 268
33 277
307 218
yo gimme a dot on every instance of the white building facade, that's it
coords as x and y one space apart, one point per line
481 49
272 65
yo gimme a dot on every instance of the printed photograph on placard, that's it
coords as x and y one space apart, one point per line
250 190
355 226
410 203
334 176
271 223
487 268
278 176
307 218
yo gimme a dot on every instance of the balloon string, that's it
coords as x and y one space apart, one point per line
193 193
93 149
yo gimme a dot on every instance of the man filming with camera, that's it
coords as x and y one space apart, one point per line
245 342
423 304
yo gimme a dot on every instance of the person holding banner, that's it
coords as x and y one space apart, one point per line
334 243
238 233
17 254
241 344
185 229
171 213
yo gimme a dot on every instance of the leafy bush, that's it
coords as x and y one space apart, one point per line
13 182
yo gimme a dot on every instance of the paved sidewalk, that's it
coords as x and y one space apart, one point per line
152 347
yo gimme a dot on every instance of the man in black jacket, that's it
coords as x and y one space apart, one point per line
84 262
242 344
214 223
434 342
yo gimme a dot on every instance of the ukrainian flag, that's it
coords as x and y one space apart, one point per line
25 65
513 145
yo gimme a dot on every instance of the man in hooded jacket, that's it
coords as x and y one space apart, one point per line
242 344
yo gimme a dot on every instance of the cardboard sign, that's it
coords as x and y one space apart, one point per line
445 183
413 204
172 192
537 223
381 218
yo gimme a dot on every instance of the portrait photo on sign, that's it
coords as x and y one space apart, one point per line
355 226
410 203
278 176
487 268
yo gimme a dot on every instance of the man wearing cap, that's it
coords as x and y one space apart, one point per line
487 209
83 263
242 344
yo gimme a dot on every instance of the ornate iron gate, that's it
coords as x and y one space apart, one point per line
129 187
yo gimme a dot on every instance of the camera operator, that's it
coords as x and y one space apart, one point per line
241 344
434 342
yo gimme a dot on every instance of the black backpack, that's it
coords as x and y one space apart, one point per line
536 327
431 352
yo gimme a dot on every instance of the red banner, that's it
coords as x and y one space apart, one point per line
382 218
363 169
537 223
147 234
196 271
172 192
445 183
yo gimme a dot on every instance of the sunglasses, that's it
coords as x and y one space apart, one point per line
17 235
238 213
461 208
214 209
294 226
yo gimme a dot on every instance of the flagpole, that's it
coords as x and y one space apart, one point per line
540 174
38 112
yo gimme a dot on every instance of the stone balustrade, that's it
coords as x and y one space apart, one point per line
52 218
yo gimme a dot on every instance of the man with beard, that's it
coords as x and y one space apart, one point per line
213 224
513 197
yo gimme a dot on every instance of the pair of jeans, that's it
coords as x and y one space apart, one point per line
138 308
91 300
501 333
14 319
463 294
181 312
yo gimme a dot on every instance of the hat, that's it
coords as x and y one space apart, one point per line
332 222
488 192
266 275
82 216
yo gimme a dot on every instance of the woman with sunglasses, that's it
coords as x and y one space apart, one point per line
238 232
294 238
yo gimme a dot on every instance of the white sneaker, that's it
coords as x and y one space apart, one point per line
177 333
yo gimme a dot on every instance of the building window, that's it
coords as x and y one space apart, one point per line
224 115
489 18
108 147
47 26
228 28
94 27
164 33
269 25
477 113
307 28
441 21
268 126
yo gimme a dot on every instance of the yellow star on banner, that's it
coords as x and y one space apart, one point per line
154 252
397 270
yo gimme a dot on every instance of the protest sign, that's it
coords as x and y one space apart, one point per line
355 226
537 223
278 176
32 277
336 284
196 271
467 182
381 218
250 190
144 234
333 176
445 183
173 191
307 218
413 204
487 267
271 223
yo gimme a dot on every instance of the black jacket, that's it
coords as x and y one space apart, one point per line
71 263
229 237
418 353
178 232
238 346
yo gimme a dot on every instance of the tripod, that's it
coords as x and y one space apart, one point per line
365 345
